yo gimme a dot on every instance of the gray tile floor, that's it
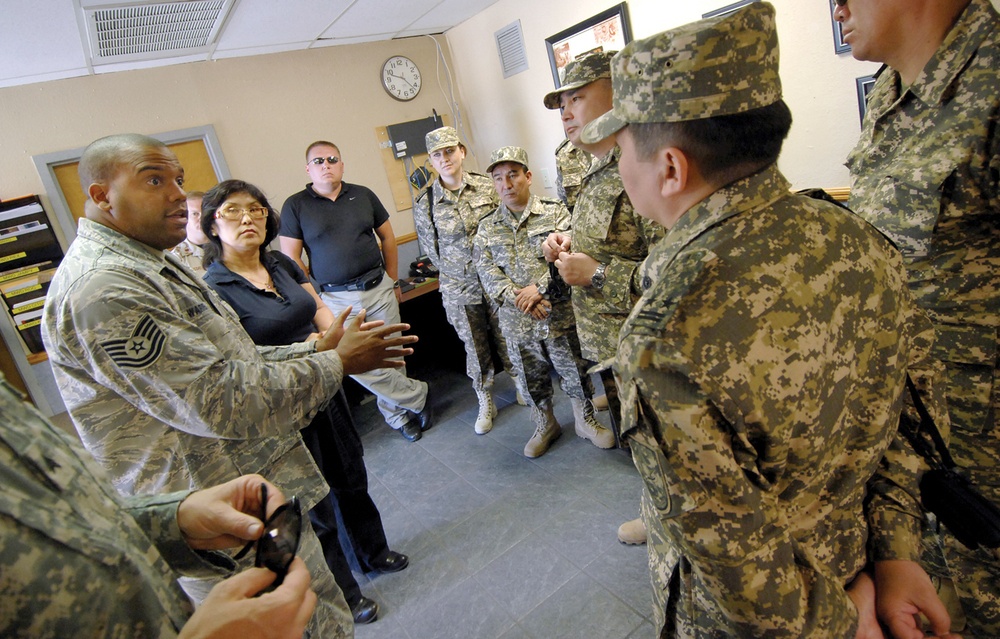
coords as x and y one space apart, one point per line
502 546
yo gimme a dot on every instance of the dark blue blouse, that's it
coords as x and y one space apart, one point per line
269 319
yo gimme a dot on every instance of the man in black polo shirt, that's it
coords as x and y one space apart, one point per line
336 222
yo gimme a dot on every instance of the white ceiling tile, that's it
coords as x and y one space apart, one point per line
40 40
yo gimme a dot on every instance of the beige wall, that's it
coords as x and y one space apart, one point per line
265 110
818 84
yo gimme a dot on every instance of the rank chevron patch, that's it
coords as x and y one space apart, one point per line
139 350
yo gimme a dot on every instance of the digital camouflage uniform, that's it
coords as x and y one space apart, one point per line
926 172
760 379
168 392
508 252
446 235
571 166
75 564
762 371
607 228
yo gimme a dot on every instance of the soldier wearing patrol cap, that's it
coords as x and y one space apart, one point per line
539 326
602 254
446 216
761 371
608 241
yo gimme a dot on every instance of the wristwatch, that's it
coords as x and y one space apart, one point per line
597 279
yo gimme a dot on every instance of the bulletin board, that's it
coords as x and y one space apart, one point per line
395 169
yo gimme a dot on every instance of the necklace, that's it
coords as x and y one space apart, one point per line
267 285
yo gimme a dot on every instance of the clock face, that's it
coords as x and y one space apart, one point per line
401 78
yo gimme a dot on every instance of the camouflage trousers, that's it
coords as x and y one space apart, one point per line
477 326
969 580
534 361
332 618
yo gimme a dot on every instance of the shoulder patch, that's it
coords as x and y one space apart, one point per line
140 349
668 284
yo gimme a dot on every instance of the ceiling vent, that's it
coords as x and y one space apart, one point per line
510 47
148 31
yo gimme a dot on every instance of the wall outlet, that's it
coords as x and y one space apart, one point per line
546 179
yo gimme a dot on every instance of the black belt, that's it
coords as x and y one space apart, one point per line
366 282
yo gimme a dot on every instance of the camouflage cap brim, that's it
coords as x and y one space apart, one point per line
553 100
441 138
508 154
603 126
579 73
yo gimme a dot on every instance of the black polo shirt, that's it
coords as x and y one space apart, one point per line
269 319
339 236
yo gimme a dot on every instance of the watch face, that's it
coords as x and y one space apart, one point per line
401 78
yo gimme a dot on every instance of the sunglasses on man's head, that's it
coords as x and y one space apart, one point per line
280 541
333 159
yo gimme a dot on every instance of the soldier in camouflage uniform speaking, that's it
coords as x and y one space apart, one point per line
538 323
763 368
446 216
926 172
166 389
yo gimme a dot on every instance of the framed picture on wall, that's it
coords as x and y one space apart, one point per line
864 85
607 31
729 8
839 46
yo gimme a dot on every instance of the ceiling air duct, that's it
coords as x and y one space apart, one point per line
128 32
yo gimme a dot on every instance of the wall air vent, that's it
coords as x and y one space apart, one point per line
148 31
510 47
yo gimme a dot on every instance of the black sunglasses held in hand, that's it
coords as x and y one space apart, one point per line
280 541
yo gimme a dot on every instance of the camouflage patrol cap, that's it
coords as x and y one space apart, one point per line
441 139
719 66
581 72
508 154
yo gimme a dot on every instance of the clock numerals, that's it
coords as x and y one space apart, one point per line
401 78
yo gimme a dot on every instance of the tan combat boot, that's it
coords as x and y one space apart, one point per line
547 430
587 425
487 411
600 402
632 533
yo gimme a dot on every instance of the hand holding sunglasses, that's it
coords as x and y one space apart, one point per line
279 542
238 603
226 515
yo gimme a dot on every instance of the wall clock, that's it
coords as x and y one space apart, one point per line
401 78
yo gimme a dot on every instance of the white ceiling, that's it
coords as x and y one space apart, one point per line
43 40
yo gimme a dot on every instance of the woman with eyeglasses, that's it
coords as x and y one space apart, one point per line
277 305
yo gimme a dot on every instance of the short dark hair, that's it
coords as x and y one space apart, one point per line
725 148
320 143
214 198
101 158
